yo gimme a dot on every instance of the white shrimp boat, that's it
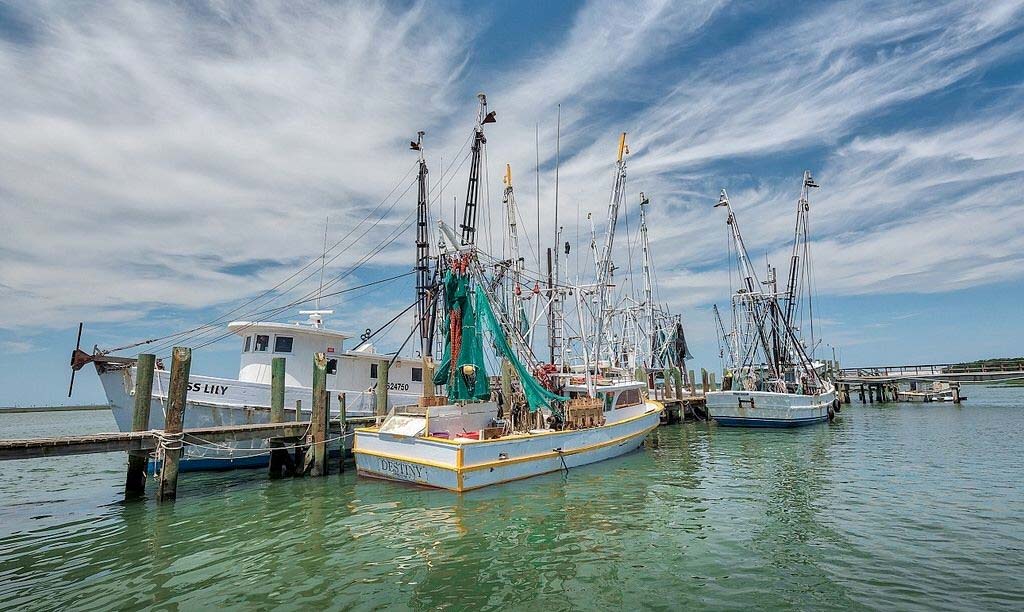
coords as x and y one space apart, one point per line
214 401
549 417
768 409
444 446
777 383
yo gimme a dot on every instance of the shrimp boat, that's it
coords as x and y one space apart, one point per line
214 401
540 417
773 380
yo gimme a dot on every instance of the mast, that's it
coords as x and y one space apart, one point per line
509 199
754 299
648 285
604 267
555 314
469 213
423 288
800 243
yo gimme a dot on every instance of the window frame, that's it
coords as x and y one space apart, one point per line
247 344
417 374
373 370
291 344
256 345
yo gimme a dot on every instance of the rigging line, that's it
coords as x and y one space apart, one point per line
275 287
222 318
388 324
185 335
214 328
277 310
415 327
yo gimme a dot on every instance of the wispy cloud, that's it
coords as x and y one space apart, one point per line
179 157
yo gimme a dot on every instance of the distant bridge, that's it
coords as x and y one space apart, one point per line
947 372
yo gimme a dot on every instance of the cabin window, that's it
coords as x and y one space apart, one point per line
262 342
332 365
629 397
373 370
248 344
283 344
417 375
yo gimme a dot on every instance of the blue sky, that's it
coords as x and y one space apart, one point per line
160 163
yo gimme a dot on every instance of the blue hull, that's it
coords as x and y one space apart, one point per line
221 465
775 423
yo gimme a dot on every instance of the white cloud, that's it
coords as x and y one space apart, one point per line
144 149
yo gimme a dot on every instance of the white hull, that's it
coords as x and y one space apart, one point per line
462 465
768 409
213 402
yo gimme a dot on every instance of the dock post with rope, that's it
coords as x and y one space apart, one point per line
171 440
135 482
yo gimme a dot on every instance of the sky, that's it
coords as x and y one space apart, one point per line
162 164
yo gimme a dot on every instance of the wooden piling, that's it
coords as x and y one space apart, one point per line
428 377
342 418
277 454
693 383
956 392
703 381
318 418
382 388
506 387
711 379
177 395
135 482
300 452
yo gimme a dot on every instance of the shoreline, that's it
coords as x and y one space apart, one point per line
21 410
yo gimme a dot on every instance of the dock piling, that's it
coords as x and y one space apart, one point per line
343 419
277 454
171 443
382 388
135 482
318 418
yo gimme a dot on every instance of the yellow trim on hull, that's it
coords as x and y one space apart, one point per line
460 470
660 408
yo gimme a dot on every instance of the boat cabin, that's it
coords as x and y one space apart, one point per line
297 342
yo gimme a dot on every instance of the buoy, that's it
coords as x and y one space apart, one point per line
837 405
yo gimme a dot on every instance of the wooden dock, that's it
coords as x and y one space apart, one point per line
882 383
149 441
682 399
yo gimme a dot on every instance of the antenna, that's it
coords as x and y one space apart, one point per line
323 264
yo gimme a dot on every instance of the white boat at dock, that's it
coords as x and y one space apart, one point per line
450 446
773 380
548 416
245 400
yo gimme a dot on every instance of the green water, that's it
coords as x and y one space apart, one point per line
895 507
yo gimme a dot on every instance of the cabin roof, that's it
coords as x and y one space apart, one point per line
243 328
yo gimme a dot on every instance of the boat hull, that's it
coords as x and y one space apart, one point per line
459 465
216 402
768 409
